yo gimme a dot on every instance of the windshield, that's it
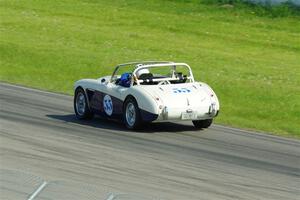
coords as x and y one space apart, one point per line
121 70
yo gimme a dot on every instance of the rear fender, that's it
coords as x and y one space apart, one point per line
146 103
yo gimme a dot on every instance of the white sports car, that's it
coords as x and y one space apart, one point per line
141 92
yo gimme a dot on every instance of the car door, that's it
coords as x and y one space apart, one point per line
112 100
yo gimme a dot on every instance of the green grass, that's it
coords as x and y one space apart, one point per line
251 61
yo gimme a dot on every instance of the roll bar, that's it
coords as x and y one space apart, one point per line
136 63
191 77
151 64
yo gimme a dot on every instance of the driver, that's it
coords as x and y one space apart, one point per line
125 80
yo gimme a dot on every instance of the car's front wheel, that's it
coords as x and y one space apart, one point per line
131 114
202 123
81 107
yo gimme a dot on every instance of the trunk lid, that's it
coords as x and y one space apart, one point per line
178 96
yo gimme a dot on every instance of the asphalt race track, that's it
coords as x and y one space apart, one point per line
40 135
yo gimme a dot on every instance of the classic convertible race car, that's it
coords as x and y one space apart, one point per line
141 92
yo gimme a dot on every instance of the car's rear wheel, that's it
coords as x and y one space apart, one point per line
202 123
131 114
81 107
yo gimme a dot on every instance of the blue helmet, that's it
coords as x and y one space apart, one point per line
125 80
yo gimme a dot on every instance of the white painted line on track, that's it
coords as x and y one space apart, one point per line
38 190
33 89
110 197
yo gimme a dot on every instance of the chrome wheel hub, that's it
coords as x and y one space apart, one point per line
130 114
80 104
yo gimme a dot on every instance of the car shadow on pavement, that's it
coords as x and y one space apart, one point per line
103 123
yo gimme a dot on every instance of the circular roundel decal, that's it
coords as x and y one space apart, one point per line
108 105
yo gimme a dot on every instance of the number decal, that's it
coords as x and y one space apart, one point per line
181 90
108 105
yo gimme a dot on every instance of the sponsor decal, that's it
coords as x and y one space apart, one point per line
181 90
108 105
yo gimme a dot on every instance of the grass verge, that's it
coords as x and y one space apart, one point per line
251 61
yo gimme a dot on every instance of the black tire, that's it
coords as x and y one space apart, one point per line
84 111
130 103
199 124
